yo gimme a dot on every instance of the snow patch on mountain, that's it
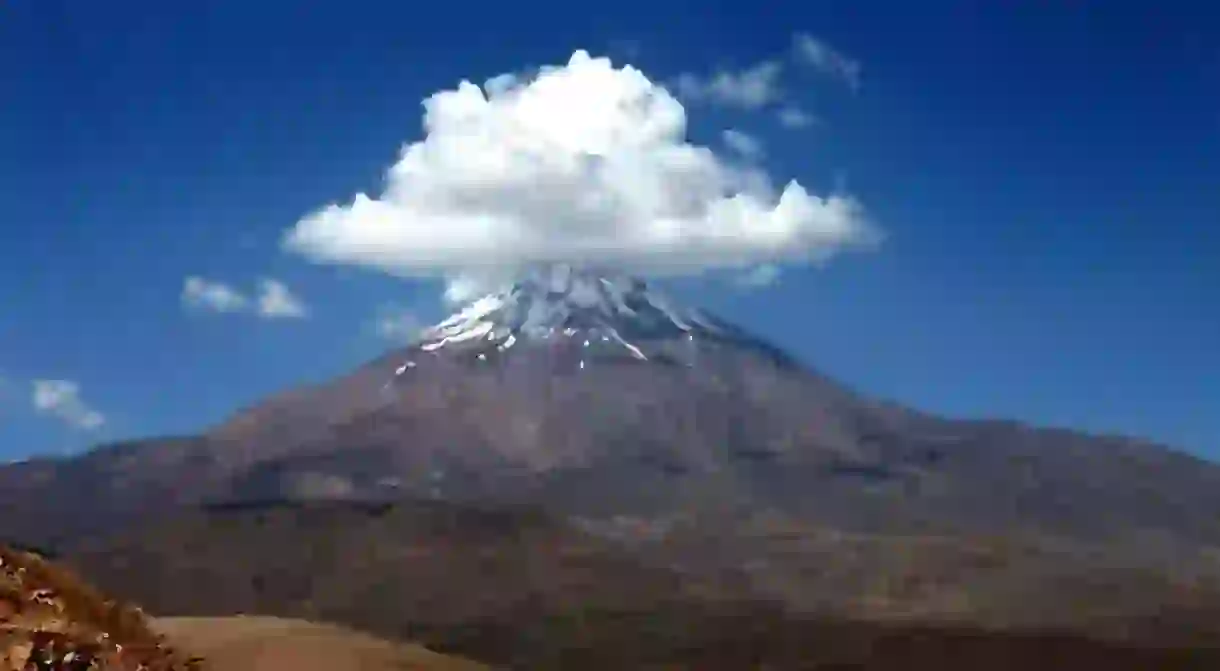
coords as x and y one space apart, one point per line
561 300
601 314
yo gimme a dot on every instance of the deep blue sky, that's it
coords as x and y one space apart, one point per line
1048 174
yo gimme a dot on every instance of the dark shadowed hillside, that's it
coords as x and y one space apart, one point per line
515 586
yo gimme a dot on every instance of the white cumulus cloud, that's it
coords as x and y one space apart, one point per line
201 293
752 88
746 145
583 163
826 59
276 301
61 399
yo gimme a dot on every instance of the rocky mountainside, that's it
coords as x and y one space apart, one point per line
595 394
52 621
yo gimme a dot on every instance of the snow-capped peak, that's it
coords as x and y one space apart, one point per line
561 301
573 317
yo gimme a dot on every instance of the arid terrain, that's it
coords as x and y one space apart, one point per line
50 620
253 643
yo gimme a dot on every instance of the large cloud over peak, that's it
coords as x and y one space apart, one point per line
583 163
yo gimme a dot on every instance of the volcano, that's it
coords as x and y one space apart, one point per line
591 395
584 390
680 448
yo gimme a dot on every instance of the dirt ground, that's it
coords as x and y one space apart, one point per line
250 643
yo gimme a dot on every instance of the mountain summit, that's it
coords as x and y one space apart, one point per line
602 315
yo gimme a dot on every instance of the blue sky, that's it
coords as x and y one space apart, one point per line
1047 175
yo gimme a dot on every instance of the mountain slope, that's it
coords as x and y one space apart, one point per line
596 394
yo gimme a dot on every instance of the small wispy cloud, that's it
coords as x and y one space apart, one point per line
819 55
62 399
745 145
396 323
273 300
751 88
203 294
276 301
759 276
795 117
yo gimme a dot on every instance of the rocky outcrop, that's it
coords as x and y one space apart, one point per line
50 620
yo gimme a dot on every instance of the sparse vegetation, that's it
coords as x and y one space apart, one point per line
51 620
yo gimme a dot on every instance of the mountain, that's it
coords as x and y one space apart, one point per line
592 393
696 447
